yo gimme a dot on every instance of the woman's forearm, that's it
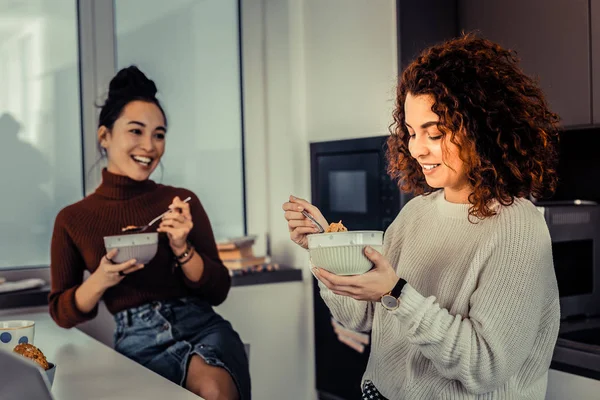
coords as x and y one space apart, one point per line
88 295
353 314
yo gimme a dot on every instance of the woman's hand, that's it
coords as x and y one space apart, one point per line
369 286
177 225
108 274
298 225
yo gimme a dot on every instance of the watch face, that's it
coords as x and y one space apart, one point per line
389 302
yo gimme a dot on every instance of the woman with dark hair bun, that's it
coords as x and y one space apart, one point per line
163 310
463 303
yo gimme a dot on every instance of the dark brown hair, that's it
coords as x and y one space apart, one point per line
128 85
495 114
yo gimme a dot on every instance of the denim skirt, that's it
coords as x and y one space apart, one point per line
163 336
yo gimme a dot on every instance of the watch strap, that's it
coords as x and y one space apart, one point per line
397 290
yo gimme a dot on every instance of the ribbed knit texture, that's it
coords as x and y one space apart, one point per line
78 244
480 314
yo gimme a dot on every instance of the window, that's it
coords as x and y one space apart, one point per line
48 118
40 124
191 50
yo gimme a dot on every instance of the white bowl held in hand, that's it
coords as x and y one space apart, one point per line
141 246
342 253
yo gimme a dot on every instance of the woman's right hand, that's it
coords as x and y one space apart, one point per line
298 225
108 274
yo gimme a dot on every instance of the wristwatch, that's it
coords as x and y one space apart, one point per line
391 300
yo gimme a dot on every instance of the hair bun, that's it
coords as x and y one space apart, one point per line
129 83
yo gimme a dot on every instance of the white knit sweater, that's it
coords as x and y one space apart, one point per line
480 314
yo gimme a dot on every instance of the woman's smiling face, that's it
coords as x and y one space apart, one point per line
437 155
136 142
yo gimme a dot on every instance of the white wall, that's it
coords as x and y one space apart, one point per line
270 318
313 70
351 67
276 149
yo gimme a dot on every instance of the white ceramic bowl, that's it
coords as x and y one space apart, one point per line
14 332
342 253
141 246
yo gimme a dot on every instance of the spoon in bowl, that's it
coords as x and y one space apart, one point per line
143 228
314 221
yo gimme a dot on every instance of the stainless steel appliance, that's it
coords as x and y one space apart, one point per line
576 254
575 232
573 218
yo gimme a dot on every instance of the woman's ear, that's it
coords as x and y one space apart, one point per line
103 136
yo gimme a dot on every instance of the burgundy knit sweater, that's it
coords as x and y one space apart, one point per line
78 244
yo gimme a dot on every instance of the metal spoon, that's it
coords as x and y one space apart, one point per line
143 228
318 225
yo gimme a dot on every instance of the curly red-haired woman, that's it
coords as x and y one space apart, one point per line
463 303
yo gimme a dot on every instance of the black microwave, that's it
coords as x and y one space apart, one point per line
349 182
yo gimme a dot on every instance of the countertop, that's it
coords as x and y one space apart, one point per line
87 369
39 296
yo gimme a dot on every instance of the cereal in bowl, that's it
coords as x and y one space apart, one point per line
336 227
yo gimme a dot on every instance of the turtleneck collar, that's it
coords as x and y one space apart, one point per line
119 187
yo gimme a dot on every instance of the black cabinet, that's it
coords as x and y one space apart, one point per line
422 24
552 39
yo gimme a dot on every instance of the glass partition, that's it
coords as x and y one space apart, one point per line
40 124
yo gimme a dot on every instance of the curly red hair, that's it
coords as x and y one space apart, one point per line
495 114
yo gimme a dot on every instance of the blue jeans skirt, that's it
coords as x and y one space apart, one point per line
163 336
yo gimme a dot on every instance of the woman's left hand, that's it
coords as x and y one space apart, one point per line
177 225
369 286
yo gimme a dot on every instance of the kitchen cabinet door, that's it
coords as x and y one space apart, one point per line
552 39
595 19
422 24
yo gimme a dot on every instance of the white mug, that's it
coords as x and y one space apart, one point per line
14 332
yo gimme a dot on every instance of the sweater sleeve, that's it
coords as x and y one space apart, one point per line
485 349
215 282
353 314
66 273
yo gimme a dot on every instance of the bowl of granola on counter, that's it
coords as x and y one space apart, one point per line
341 251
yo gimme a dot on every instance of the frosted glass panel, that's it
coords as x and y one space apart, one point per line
40 151
190 49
